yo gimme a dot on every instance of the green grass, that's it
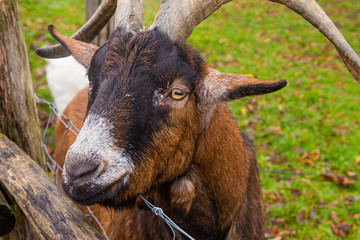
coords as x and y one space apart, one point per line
309 127
36 16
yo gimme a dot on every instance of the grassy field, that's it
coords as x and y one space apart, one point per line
306 136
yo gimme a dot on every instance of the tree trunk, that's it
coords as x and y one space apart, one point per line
91 6
18 114
51 212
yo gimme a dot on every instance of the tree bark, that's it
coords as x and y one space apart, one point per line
54 215
18 114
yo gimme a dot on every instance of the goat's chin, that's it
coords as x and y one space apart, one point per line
89 194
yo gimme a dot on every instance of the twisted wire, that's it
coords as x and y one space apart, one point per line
159 212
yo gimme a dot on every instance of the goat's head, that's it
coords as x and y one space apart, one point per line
150 95
148 100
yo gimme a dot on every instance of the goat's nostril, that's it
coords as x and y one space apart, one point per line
81 170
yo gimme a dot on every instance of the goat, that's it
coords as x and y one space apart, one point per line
154 122
164 133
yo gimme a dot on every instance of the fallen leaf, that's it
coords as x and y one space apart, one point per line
280 220
295 192
340 229
347 182
251 108
327 115
274 129
309 157
328 176
275 230
298 149
312 213
262 103
334 229
333 203
333 215
340 180
301 216
281 108
284 232
272 197
350 200
349 172
357 216
307 181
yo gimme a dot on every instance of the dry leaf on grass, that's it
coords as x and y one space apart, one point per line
335 178
340 229
300 218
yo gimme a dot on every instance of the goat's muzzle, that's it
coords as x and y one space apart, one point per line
89 183
95 178
82 172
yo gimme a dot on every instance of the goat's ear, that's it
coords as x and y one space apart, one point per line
218 87
81 51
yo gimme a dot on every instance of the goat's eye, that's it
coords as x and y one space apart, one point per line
178 94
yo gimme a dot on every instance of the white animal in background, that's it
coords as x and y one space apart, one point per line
65 77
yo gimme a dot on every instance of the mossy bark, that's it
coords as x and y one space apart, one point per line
18 113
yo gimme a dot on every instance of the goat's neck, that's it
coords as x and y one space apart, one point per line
226 185
223 165
219 172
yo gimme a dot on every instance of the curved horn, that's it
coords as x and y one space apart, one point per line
129 15
86 33
313 13
81 51
178 18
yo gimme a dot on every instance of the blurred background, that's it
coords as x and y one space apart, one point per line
306 136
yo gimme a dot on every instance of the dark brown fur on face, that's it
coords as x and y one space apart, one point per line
207 217
194 163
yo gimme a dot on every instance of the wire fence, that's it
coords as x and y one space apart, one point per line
54 166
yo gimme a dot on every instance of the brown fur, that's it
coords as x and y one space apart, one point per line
198 167
228 175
